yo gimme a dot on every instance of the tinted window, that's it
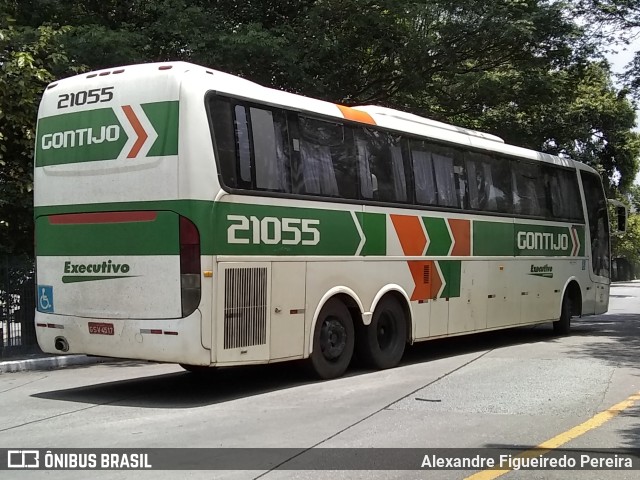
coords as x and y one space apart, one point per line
382 170
270 151
565 197
424 177
445 173
243 146
225 141
529 194
488 183
439 177
598 223
326 158
252 146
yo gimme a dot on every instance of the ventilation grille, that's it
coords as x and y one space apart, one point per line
426 274
245 307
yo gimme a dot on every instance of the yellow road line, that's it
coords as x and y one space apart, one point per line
559 440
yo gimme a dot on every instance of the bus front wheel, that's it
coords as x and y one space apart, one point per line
333 340
562 326
381 343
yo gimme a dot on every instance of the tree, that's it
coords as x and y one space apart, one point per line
615 22
595 126
627 245
522 69
28 58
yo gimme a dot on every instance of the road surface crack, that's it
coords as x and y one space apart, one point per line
23 384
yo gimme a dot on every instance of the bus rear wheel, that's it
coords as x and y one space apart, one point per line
333 340
563 325
381 343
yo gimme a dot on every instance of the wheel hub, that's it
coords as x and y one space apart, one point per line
333 338
385 331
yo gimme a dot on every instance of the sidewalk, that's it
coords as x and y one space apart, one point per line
43 361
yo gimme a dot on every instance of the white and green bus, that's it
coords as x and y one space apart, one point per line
187 215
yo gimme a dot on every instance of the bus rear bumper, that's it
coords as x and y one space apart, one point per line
166 340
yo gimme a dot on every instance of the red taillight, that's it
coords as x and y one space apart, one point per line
189 247
189 266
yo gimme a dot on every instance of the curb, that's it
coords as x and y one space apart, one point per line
50 363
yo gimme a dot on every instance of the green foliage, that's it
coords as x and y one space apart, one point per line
633 197
597 127
615 22
28 58
525 70
627 245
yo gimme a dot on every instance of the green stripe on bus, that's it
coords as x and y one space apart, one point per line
159 237
452 273
581 237
338 234
439 238
164 118
249 229
374 226
492 239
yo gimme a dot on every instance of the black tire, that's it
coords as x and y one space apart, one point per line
333 340
381 343
563 325
198 369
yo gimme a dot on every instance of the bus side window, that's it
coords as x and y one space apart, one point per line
445 180
243 147
462 185
529 192
597 215
480 182
450 178
499 189
423 176
224 134
382 169
326 163
438 175
564 196
271 151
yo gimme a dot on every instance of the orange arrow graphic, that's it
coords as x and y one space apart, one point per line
461 230
576 242
426 279
410 233
139 129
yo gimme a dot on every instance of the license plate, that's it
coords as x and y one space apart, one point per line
96 328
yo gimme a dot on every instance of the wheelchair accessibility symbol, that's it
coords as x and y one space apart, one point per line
45 298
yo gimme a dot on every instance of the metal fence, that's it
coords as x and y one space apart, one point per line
17 305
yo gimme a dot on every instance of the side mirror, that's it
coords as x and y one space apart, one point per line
622 218
621 215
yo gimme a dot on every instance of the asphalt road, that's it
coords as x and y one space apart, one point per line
513 389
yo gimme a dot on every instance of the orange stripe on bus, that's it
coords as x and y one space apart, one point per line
410 234
356 115
138 128
461 230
